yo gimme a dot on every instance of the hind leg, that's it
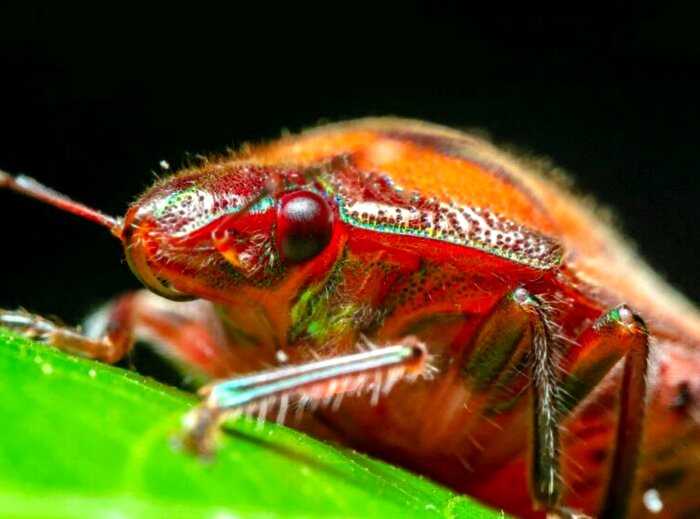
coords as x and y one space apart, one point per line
617 335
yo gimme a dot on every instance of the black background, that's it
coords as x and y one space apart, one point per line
92 100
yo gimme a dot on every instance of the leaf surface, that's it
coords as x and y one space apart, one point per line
81 439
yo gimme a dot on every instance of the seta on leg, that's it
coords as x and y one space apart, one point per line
325 381
515 338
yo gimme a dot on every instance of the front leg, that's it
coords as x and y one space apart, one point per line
191 333
113 341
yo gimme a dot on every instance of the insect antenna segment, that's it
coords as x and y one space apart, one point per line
33 189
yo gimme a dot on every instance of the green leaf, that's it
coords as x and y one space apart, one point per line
81 439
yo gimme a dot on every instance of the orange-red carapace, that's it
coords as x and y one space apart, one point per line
432 299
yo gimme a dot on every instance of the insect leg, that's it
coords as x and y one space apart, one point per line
516 337
375 370
190 332
110 347
500 346
617 334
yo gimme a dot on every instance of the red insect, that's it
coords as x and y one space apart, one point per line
362 255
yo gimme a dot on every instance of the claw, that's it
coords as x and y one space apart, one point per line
200 426
566 513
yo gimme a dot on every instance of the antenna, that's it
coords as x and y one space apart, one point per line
33 189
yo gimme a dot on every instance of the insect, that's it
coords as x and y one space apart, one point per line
485 327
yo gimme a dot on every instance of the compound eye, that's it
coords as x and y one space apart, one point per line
304 225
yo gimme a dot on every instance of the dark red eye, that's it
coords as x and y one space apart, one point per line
304 225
